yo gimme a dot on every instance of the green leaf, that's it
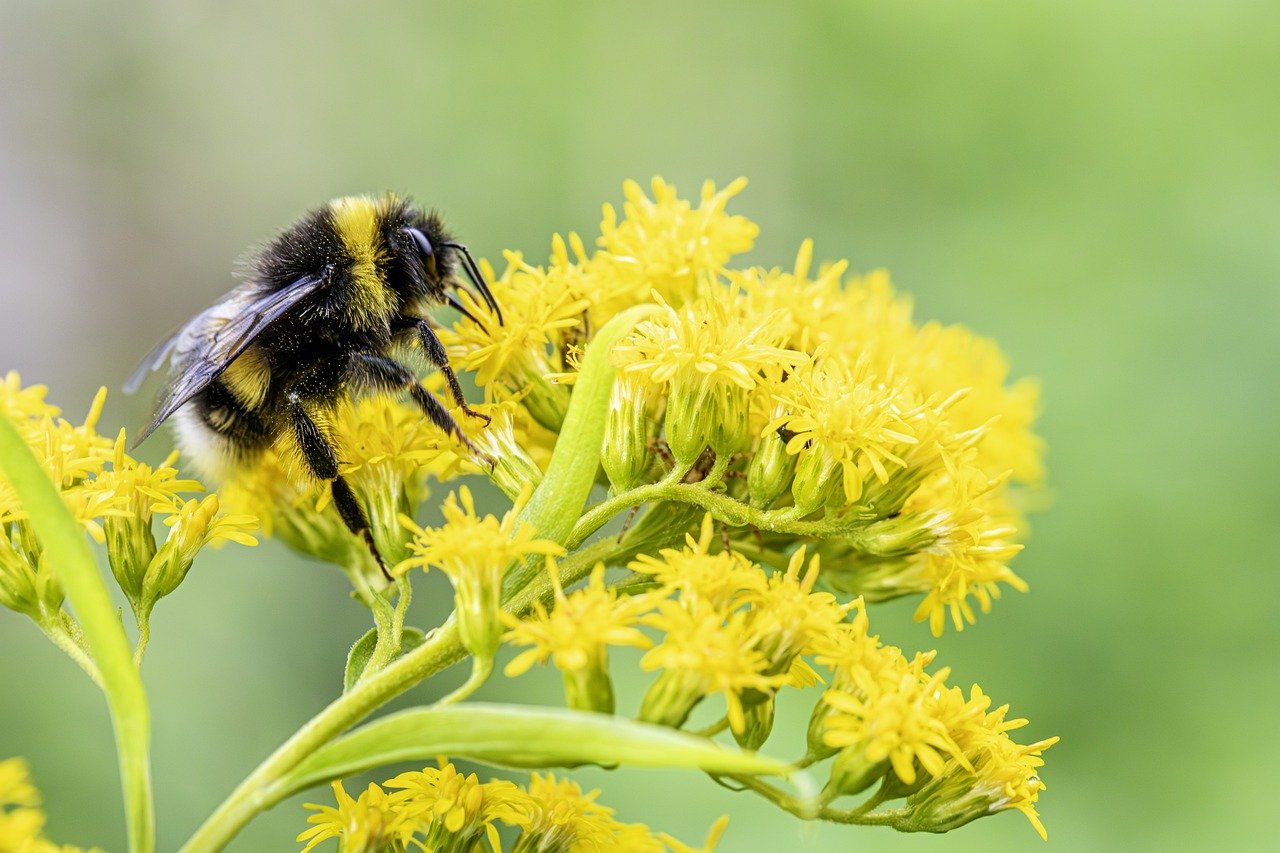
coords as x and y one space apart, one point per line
358 657
518 736
64 543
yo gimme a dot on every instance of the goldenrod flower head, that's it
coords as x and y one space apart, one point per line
716 582
196 524
576 635
1000 774
372 823
942 359
973 542
23 405
668 244
708 355
455 811
539 309
515 443
845 422
475 553
897 723
703 653
562 817
789 619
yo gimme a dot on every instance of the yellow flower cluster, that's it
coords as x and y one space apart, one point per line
888 719
116 498
813 395
21 818
441 809
726 626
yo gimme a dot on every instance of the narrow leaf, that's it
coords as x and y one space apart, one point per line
63 541
518 736
358 657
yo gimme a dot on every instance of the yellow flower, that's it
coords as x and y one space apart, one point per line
999 775
539 308
576 635
475 553
708 355
845 423
562 817
196 524
454 811
789 619
712 582
702 654
15 786
669 245
973 544
897 724
372 823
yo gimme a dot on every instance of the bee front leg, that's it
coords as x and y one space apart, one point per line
388 375
322 459
434 351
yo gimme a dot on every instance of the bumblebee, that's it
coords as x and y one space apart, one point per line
323 311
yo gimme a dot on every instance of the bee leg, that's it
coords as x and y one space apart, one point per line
435 353
323 462
387 374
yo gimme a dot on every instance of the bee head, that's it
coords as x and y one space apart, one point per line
435 258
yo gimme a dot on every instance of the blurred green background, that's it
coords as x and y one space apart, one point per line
1096 185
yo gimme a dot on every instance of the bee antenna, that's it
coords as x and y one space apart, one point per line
472 270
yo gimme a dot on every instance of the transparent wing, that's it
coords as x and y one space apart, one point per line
204 352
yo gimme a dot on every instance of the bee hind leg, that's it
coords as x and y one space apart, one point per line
434 351
323 462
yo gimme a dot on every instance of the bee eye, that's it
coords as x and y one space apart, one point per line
425 249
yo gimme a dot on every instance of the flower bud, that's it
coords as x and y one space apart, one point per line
130 548
771 470
728 429
816 477
18 583
687 422
759 724
169 567
589 688
628 430
852 773
671 698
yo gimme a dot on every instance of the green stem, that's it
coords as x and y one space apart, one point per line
860 815
56 630
481 669
63 541
442 649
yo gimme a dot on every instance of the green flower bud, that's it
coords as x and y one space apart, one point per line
628 431
671 698
130 548
688 421
589 689
816 476
759 724
770 472
18 583
852 773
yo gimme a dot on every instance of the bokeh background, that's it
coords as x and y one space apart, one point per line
1094 184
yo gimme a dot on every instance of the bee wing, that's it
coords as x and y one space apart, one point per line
167 347
203 354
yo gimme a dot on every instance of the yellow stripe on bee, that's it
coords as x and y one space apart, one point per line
248 378
357 220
